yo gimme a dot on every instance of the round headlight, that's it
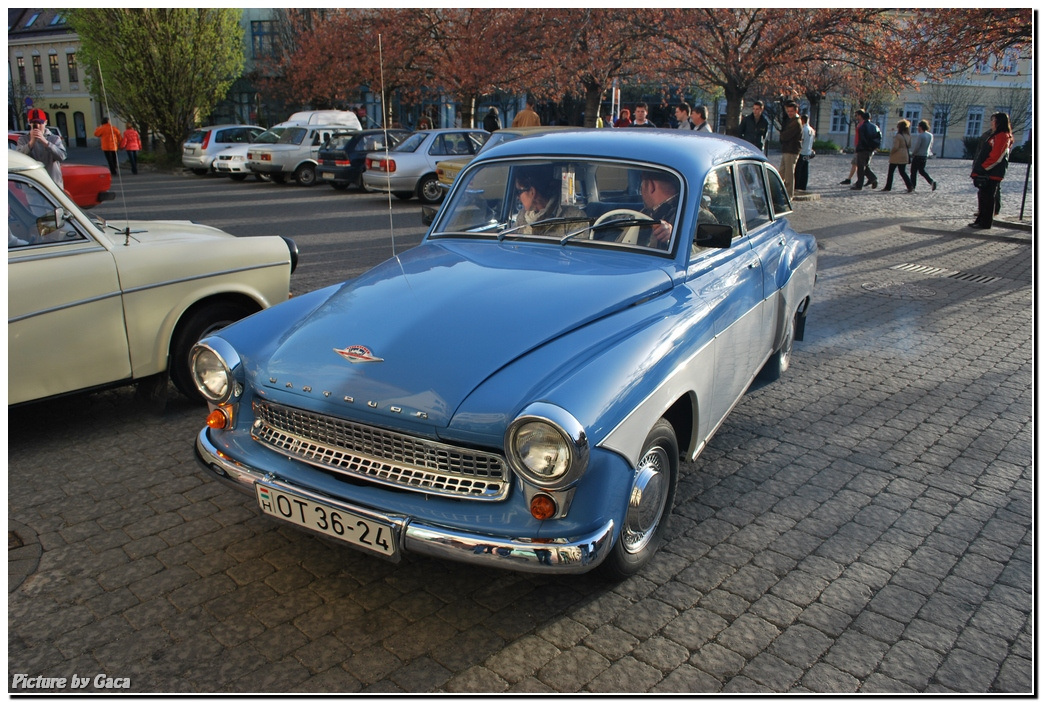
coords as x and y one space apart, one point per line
547 446
542 450
211 375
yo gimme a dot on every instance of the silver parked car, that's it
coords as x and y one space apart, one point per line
410 168
295 155
204 144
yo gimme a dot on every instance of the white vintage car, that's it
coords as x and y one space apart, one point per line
93 304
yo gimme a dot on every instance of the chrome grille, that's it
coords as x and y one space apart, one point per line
380 455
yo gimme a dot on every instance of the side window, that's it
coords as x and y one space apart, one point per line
31 218
476 140
778 193
719 200
754 209
438 148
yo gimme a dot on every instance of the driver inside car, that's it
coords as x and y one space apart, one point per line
660 193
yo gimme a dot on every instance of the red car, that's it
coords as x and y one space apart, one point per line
86 185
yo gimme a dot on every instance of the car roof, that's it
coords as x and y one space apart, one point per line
225 126
682 150
17 161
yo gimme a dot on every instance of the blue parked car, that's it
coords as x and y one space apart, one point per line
519 390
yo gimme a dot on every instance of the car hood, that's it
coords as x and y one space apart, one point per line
416 335
161 231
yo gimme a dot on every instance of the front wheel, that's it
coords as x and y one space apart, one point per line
428 190
650 502
192 328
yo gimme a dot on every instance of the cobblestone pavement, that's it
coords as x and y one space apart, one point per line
863 524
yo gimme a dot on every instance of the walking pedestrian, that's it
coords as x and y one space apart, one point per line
491 120
754 126
791 145
900 155
40 144
802 166
527 117
131 143
869 138
989 167
921 150
109 143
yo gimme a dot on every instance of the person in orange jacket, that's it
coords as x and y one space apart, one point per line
131 143
989 167
109 142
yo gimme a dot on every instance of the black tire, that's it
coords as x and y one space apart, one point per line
650 503
403 196
263 177
197 324
237 176
428 191
781 360
305 175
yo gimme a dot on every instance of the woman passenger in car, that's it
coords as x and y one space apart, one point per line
538 192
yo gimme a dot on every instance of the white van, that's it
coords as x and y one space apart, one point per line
344 118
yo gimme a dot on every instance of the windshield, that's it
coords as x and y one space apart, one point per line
567 201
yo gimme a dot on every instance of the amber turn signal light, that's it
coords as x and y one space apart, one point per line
217 420
543 507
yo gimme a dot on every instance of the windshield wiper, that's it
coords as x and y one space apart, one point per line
542 223
611 224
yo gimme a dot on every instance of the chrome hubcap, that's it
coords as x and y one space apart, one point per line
647 500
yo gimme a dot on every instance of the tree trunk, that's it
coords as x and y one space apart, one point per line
593 94
735 104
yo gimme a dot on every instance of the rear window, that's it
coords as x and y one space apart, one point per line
196 137
270 136
412 143
293 135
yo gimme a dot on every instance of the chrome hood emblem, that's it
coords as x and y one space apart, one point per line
358 354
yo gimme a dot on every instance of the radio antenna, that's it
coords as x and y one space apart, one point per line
119 178
386 146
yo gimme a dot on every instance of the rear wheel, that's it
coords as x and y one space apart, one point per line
305 175
650 502
199 323
428 190
782 358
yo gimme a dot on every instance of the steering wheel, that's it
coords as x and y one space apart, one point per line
629 234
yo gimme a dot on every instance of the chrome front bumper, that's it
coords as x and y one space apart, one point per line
577 555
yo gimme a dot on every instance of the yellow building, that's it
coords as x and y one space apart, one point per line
43 70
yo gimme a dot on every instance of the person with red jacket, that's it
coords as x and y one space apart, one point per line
131 143
989 167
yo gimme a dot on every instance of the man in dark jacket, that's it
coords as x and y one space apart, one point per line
754 126
868 140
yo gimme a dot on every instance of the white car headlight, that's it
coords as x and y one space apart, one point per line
547 446
212 374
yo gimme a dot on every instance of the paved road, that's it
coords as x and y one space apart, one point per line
864 524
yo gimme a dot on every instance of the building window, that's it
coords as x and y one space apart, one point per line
263 38
38 70
31 20
941 115
21 71
913 113
55 72
1008 63
839 120
974 121
74 71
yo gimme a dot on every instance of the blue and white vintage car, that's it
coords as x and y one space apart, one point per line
519 390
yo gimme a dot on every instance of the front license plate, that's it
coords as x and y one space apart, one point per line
363 532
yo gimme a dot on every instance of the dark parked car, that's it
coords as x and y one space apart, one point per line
341 161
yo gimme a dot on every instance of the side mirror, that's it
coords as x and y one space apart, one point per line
50 223
714 236
428 215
